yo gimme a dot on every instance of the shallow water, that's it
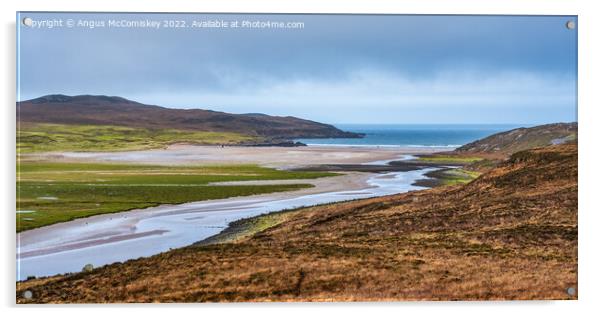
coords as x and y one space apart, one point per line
118 237
387 161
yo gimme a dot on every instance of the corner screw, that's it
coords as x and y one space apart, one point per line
570 25
27 22
571 291
27 295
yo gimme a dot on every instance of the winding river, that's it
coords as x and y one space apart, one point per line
104 239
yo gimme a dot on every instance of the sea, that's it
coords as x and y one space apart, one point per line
412 135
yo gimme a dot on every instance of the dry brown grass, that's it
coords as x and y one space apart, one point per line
509 235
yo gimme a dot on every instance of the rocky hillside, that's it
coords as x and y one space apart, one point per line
510 234
515 140
105 110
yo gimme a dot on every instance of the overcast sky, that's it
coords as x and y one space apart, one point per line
336 69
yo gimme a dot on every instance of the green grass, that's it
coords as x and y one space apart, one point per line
49 193
449 159
570 137
57 137
458 176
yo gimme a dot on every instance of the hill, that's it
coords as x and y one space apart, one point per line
509 142
483 154
117 111
509 234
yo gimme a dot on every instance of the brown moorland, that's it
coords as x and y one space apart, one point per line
511 234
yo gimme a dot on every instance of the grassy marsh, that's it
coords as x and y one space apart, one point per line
451 159
49 193
457 176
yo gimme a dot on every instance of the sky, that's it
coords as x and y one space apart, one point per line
391 69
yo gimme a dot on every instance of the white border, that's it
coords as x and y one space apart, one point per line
590 82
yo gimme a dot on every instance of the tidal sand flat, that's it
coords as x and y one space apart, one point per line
102 239
279 157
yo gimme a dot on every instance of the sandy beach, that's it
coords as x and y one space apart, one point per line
278 157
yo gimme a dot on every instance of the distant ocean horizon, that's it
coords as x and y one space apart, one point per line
412 135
